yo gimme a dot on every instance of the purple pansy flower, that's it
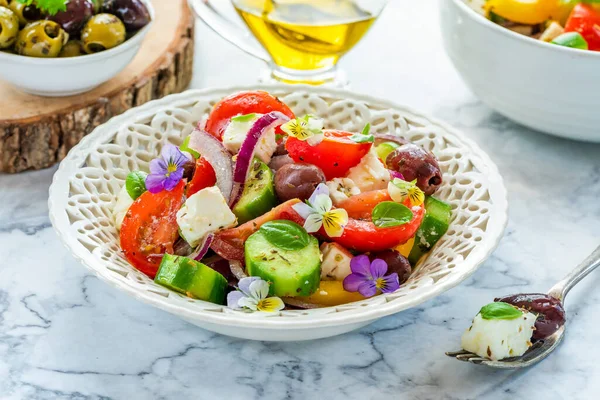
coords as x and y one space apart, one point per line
167 170
367 277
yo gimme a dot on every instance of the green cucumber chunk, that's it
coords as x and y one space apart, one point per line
192 278
571 39
291 272
258 196
435 224
385 149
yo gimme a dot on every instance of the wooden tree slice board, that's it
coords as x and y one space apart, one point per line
37 132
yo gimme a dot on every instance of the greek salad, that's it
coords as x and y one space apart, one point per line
570 23
261 209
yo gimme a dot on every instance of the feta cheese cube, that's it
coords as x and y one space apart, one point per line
204 212
370 173
336 262
124 201
499 338
341 189
236 133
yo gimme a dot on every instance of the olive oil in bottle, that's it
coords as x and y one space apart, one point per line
305 34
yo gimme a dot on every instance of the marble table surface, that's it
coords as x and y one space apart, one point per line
66 335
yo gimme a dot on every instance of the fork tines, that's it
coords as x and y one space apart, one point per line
466 356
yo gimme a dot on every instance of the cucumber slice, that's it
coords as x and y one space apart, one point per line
291 272
191 278
435 224
258 196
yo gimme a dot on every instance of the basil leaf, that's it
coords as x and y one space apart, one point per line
286 235
388 213
185 146
244 118
360 138
367 129
136 184
500 310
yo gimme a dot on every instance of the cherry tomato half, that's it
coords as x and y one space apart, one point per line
240 104
204 176
335 155
229 243
585 19
362 235
149 228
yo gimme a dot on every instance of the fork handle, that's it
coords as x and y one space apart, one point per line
562 288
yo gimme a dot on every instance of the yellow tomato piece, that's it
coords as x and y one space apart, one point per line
331 293
530 12
405 248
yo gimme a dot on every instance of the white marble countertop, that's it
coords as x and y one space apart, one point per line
66 335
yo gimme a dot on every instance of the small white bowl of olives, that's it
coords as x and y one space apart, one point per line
62 52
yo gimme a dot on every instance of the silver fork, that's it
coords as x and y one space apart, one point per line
542 348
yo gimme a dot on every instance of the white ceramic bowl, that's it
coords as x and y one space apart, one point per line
56 77
546 87
82 197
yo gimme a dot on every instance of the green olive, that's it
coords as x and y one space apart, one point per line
3 3
102 32
71 49
41 39
9 28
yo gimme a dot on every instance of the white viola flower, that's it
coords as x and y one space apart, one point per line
308 128
251 295
317 212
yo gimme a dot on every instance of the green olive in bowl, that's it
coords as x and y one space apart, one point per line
73 48
102 32
9 28
41 39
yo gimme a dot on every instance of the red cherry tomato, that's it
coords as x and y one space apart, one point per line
585 19
240 104
204 176
362 235
229 243
149 228
335 155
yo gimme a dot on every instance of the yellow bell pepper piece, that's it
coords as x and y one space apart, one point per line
531 12
331 293
405 248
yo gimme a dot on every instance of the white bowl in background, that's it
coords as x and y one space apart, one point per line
84 189
57 77
546 87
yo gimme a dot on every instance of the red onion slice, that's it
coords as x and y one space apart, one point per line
202 249
237 269
389 137
213 151
246 153
295 302
396 174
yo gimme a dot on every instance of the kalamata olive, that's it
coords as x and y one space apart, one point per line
102 32
396 263
414 162
73 18
182 248
551 314
188 170
25 13
279 161
133 13
281 150
9 28
297 181
41 39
